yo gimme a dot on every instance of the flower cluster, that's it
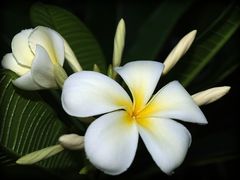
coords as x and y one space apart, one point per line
110 141
36 53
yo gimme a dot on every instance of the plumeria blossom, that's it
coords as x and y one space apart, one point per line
35 54
111 140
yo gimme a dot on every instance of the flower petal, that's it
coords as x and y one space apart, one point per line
166 140
26 82
9 62
111 142
20 48
50 40
89 93
141 78
42 69
173 101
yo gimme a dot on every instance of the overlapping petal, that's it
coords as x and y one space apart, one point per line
173 101
166 140
50 40
42 69
9 62
111 142
88 93
141 78
41 74
26 82
20 48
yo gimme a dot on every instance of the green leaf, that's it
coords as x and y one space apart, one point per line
227 61
6 158
28 124
206 47
156 29
81 40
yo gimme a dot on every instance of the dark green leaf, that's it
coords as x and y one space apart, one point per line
28 124
212 75
156 29
207 46
73 30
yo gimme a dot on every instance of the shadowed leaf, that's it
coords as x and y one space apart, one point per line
156 29
28 124
206 47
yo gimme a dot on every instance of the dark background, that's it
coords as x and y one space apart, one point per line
214 153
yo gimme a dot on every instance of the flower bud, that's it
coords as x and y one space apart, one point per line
110 71
119 41
96 68
39 155
210 95
178 51
71 58
72 141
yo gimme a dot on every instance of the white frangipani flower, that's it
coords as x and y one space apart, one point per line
35 52
111 140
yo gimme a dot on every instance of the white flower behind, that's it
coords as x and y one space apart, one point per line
111 140
35 52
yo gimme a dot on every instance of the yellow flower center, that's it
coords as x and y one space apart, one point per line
135 114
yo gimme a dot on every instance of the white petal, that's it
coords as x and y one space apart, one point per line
20 48
50 40
173 101
26 82
166 140
9 62
141 78
89 93
71 58
111 142
42 69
